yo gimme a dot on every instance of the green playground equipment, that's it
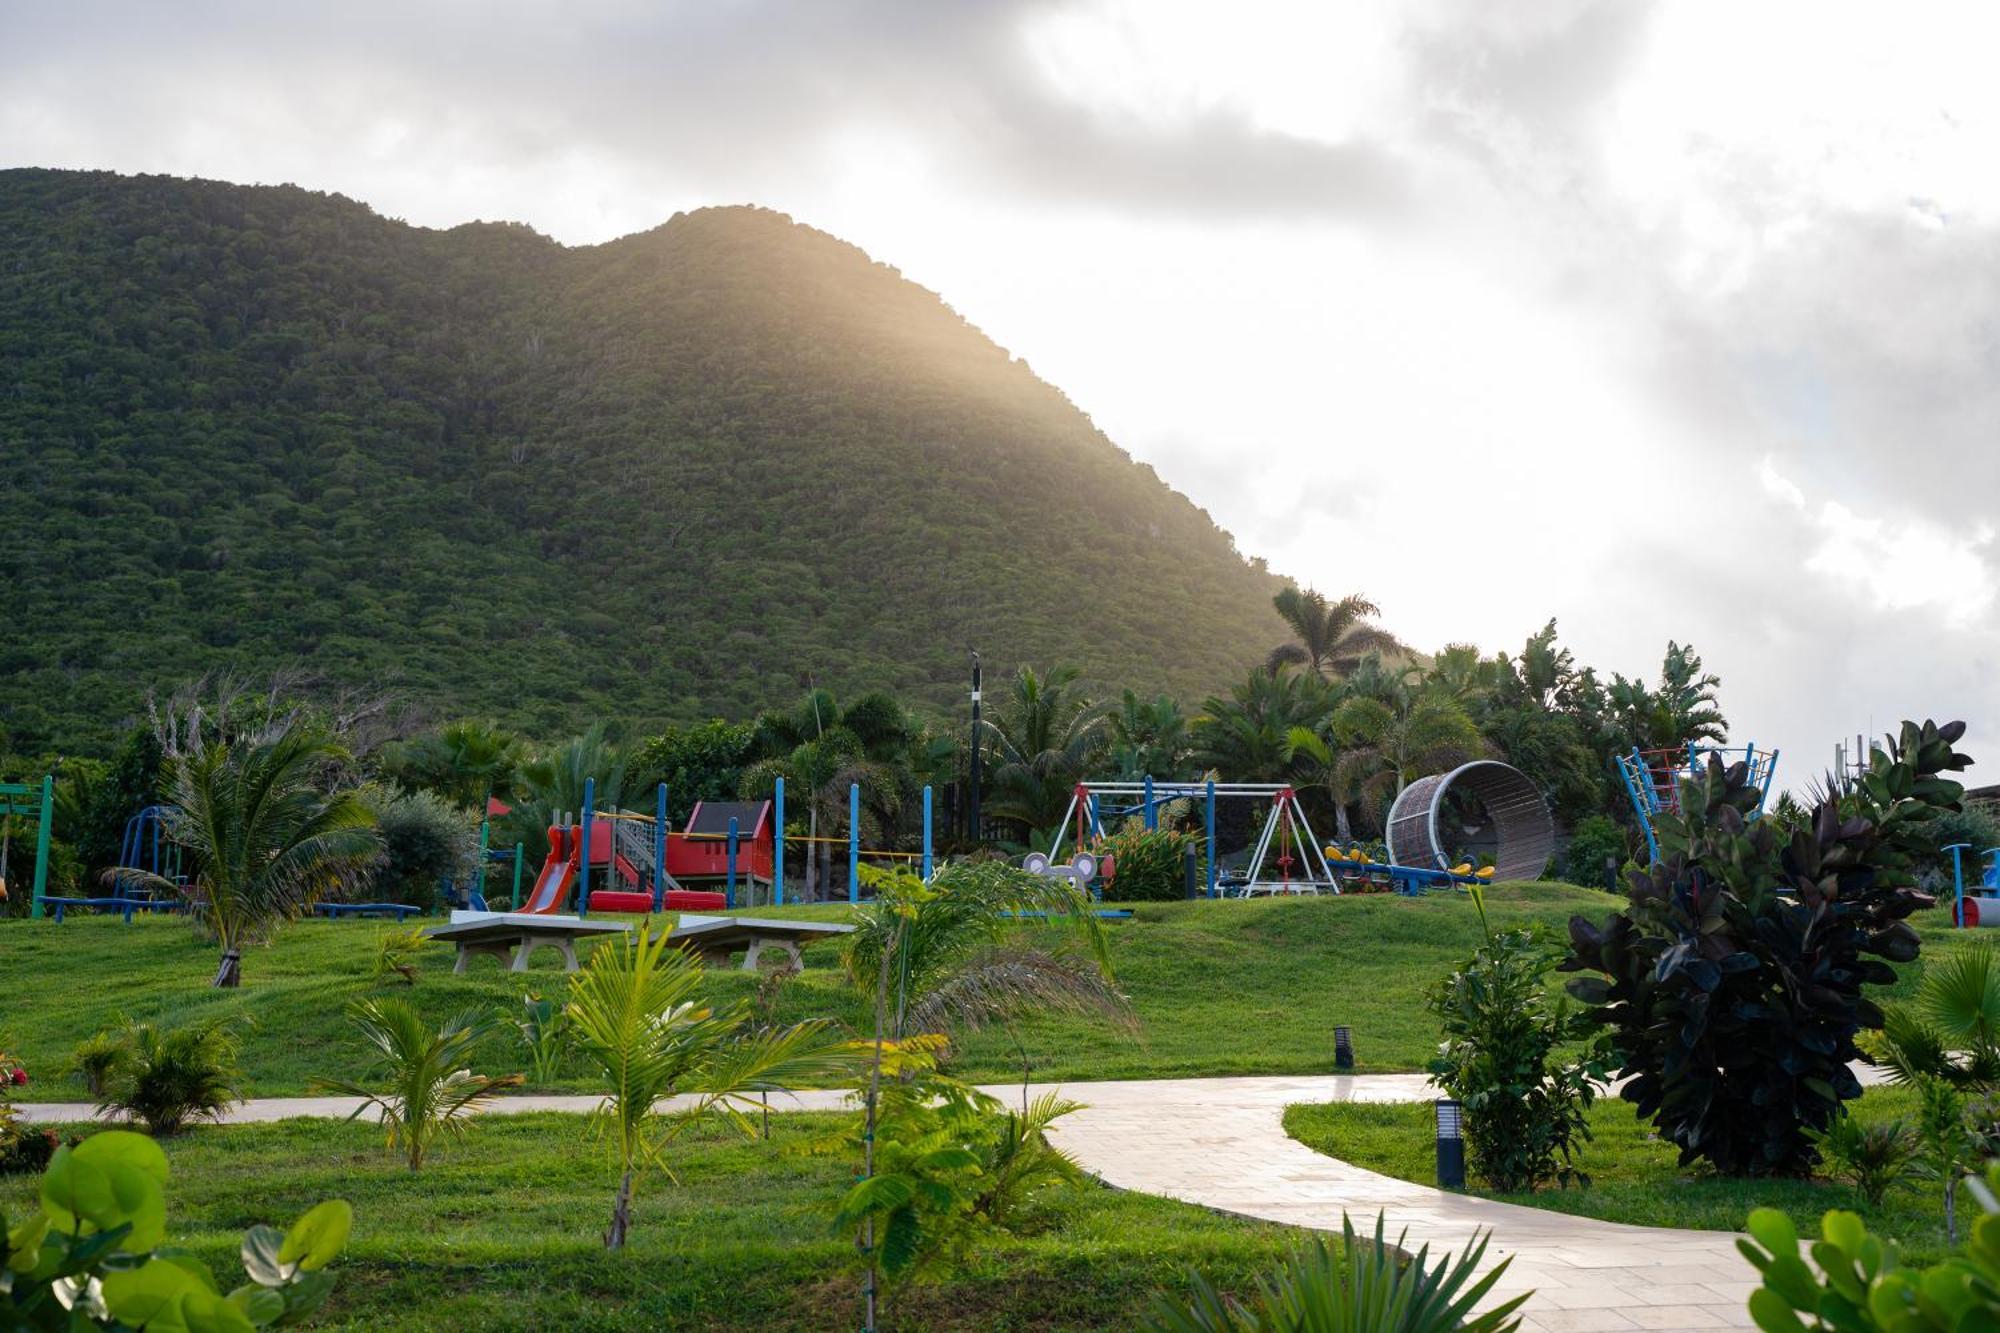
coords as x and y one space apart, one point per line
37 800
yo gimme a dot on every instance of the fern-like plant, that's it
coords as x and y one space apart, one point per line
170 1076
421 1087
1363 1288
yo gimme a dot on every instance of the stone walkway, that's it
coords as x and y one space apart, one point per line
1220 1143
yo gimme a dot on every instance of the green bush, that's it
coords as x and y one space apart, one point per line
1524 1107
1862 1285
1977 827
170 1076
1731 986
424 839
101 1228
1148 865
1594 840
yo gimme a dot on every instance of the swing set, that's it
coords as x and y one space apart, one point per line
1300 864
36 800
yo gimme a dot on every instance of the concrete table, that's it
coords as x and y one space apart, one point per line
717 938
517 935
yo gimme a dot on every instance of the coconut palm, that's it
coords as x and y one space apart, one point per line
422 1089
1319 765
264 839
635 1015
1681 710
1044 739
1329 638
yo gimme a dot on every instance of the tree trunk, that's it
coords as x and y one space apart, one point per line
1342 829
230 974
621 1215
1951 1206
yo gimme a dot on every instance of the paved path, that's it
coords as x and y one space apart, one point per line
1220 1142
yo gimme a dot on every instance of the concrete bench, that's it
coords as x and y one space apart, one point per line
717 938
516 935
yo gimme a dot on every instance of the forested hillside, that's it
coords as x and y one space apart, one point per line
665 477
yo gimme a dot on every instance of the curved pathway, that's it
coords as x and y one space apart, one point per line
1221 1143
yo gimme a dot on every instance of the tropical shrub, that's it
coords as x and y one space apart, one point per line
635 1015
396 954
1874 1158
22 1147
1595 840
1363 1287
949 1166
170 1076
1525 1103
1731 986
96 1059
425 839
1861 1284
1951 1032
93 1256
1148 865
544 1031
420 1086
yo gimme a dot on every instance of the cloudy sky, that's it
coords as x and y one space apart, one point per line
1667 321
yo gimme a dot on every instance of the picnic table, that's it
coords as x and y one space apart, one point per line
717 938
57 906
396 910
517 935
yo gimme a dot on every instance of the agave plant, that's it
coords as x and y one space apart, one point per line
1363 1288
423 1090
1732 984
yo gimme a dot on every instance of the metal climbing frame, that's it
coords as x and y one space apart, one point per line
1653 778
1524 834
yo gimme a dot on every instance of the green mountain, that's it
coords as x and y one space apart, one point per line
664 477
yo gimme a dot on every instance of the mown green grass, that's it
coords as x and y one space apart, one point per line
1636 1178
503 1230
1218 988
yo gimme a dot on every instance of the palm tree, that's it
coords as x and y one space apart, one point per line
635 1014
1951 1033
467 763
1681 710
1149 737
1045 737
1320 763
1384 746
1329 638
429 1092
1244 737
264 839
552 785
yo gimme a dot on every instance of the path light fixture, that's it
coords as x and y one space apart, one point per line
1343 1048
1450 1144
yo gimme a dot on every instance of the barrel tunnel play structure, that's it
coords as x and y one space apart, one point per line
1484 806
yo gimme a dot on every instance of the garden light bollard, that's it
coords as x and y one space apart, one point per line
1343 1048
1450 1144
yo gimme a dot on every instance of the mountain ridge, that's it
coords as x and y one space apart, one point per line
667 476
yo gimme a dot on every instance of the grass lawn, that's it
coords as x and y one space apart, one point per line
1219 988
1635 1177
502 1230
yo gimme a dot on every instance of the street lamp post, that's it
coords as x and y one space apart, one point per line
972 800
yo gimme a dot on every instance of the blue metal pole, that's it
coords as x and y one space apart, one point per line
583 847
1152 816
1211 837
660 847
778 847
927 832
1958 882
729 885
854 842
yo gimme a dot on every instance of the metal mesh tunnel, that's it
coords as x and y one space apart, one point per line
1522 835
